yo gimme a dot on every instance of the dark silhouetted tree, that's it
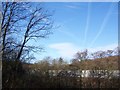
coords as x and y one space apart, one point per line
21 22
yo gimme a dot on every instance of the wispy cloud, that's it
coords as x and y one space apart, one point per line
67 33
103 48
87 22
102 25
72 6
64 29
68 50
75 6
65 49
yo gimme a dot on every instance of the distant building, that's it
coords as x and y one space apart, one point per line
83 73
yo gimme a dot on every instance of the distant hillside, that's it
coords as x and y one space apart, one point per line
109 63
100 63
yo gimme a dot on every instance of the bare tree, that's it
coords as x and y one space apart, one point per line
99 54
116 51
82 55
24 20
109 52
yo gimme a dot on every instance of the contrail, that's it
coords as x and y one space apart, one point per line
87 23
103 25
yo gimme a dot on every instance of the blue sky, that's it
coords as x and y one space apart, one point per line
92 26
